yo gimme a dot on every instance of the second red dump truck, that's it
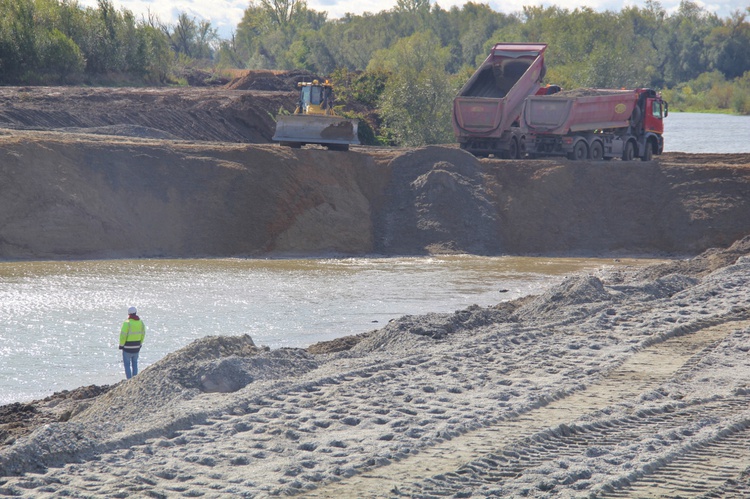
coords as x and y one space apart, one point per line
486 110
596 124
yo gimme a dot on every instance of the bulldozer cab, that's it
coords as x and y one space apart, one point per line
315 98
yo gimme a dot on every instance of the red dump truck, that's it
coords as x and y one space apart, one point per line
595 124
487 109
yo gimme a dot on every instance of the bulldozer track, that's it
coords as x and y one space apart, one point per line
509 449
709 470
697 470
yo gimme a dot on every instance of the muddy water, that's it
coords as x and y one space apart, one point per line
61 319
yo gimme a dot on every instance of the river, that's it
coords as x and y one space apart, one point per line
61 319
706 133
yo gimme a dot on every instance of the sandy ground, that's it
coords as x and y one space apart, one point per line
622 384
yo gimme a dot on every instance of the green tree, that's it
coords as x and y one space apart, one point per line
60 57
686 49
282 13
416 101
157 55
19 49
729 44
275 33
353 40
191 38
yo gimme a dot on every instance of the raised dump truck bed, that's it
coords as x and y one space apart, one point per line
487 108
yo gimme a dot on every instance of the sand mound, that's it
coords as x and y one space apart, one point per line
706 262
214 364
157 401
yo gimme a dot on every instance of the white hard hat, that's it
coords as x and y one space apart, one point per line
132 310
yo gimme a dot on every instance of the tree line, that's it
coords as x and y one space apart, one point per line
408 61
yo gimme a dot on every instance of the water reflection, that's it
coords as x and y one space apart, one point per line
61 319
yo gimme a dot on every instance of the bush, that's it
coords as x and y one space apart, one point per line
711 92
60 57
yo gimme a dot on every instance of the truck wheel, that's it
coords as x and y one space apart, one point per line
580 151
648 153
629 152
513 150
597 151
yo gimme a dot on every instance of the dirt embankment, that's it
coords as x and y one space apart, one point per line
104 173
205 114
84 196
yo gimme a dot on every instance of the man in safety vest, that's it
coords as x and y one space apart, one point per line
132 333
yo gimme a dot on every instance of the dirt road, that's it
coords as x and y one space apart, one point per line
506 450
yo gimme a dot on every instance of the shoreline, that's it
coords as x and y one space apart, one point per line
331 299
224 417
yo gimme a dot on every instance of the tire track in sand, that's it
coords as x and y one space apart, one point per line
643 371
708 470
529 460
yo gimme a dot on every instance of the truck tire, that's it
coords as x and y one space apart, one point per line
513 150
648 152
580 151
597 151
629 152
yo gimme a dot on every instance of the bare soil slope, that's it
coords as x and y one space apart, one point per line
101 172
206 114
72 195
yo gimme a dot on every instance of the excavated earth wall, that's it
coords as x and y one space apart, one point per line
191 172
73 195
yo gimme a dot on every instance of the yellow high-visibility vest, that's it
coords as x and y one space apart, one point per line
132 334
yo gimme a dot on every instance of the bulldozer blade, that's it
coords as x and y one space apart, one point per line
299 129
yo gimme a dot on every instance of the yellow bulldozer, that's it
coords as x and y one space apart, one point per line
315 122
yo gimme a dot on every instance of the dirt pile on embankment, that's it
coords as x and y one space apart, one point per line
206 114
612 384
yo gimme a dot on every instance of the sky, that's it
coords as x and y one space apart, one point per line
226 14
